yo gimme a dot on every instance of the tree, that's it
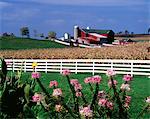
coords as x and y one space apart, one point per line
52 34
126 32
25 31
149 31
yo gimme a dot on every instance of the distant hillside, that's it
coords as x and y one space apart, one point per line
25 43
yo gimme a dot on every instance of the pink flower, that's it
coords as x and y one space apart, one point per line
102 102
77 87
125 87
57 92
74 81
127 101
88 80
101 94
78 94
66 72
148 100
86 111
58 108
110 83
110 72
96 79
127 77
53 83
37 97
109 105
35 75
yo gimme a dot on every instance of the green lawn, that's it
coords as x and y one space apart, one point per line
16 43
140 88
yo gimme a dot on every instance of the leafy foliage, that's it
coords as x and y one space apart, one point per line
52 34
25 31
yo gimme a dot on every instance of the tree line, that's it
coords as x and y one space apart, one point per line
26 32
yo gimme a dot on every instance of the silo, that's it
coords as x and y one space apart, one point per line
66 36
88 28
76 28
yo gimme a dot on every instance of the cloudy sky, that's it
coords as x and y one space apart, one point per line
61 15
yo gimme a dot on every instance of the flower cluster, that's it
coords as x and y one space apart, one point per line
127 101
86 112
58 108
110 72
125 87
57 92
37 98
35 75
66 72
77 87
105 103
94 79
53 84
127 78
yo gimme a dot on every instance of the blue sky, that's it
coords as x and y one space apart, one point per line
61 15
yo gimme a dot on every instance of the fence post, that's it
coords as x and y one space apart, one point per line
131 68
93 67
45 66
25 66
13 64
76 68
111 65
61 66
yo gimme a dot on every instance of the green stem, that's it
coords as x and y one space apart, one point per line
95 96
42 87
74 96
121 110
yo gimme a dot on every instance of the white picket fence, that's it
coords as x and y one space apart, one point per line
94 66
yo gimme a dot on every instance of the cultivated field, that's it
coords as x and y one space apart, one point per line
136 38
131 51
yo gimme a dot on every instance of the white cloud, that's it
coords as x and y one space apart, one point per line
4 4
20 14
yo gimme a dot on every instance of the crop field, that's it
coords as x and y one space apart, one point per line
130 51
136 38
139 88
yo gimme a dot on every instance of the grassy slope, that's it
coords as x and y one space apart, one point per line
24 43
140 88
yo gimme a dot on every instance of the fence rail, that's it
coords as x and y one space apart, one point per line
133 67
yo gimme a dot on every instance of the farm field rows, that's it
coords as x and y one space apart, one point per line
130 51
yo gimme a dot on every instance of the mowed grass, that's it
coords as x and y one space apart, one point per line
10 43
140 88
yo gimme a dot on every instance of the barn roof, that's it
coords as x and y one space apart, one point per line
97 31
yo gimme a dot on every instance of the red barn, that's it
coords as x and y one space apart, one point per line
93 36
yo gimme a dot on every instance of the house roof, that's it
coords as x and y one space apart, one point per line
96 31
